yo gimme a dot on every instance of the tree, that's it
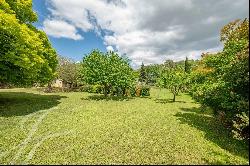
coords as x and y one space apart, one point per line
68 71
169 64
107 69
176 83
187 66
142 77
152 73
173 79
26 54
221 80
22 9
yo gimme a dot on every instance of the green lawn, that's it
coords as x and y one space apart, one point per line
82 128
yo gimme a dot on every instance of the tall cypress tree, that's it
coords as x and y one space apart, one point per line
187 66
142 73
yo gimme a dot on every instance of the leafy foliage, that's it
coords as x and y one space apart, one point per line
86 88
241 126
152 73
91 88
23 10
26 54
142 77
145 91
139 90
68 71
221 80
107 69
172 78
187 66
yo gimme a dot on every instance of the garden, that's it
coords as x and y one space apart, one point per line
102 110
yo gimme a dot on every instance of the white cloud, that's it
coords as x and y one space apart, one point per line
57 28
149 31
109 48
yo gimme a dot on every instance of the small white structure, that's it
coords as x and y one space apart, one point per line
58 83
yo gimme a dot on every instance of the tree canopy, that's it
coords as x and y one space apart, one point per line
68 71
27 56
187 66
107 69
221 80
142 77
173 78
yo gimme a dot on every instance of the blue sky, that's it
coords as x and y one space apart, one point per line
146 31
74 49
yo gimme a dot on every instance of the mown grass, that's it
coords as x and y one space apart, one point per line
83 128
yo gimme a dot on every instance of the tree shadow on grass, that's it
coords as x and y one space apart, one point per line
199 110
21 103
165 101
214 131
102 97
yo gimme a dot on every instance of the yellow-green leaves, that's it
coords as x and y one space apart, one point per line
23 10
26 55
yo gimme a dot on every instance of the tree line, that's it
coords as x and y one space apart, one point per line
219 81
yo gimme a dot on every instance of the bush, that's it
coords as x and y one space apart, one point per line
97 89
86 88
119 91
132 91
145 91
91 88
241 127
139 90
127 92
221 80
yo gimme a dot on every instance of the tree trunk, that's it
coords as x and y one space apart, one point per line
49 87
174 94
174 98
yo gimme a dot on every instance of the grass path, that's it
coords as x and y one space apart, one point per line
82 128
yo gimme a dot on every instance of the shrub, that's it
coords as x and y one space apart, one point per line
241 127
145 91
97 89
138 91
127 92
221 80
86 88
119 91
132 91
